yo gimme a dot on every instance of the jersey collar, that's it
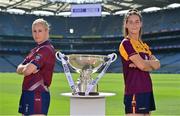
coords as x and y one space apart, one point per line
44 43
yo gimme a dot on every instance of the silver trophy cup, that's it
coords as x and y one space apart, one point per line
86 65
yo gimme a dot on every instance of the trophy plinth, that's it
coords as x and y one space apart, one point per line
86 65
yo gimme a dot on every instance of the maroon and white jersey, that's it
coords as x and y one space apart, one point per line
43 57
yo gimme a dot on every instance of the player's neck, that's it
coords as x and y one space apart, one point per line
134 36
42 42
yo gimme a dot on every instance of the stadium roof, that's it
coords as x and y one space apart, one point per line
60 6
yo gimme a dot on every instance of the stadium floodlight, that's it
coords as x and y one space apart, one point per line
78 1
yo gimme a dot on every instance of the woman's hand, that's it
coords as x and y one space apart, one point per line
132 65
155 62
152 57
20 68
27 69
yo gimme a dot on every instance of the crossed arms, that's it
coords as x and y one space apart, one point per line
26 69
144 65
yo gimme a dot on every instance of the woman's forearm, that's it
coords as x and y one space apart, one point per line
155 64
151 65
20 68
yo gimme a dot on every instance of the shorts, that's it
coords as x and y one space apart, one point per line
34 103
141 103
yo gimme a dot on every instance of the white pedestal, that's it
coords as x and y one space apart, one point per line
87 105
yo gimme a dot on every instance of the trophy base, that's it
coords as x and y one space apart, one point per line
91 93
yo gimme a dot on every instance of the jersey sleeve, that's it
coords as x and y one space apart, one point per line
26 60
39 58
126 49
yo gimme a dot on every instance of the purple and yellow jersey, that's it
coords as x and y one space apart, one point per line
136 80
43 57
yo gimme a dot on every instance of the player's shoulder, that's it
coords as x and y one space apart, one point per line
125 41
46 49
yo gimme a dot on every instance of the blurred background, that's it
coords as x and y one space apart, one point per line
89 27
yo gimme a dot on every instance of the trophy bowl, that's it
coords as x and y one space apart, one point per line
80 62
86 65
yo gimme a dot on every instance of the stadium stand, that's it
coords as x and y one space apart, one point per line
91 35
6 66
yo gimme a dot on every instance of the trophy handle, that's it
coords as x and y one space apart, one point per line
113 57
58 54
61 57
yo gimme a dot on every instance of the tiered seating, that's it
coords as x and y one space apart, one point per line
14 59
5 66
109 26
92 35
170 62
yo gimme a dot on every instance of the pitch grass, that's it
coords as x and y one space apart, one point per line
166 91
